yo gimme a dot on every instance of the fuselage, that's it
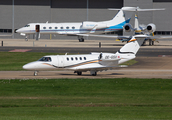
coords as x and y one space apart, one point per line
75 62
70 28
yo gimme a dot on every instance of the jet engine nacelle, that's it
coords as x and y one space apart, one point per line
91 25
128 28
151 27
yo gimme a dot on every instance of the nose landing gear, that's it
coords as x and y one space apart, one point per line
35 73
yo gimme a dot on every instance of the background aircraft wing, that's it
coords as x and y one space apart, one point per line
106 36
160 37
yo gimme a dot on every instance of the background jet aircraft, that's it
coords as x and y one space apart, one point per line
147 31
87 27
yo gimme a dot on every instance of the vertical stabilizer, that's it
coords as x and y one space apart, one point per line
133 45
136 25
123 16
129 50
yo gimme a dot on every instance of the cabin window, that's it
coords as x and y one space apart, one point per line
56 27
27 26
50 27
76 58
44 27
67 27
80 58
84 58
73 27
45 59
61 27
72 58
67 59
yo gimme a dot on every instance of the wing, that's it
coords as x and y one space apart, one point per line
106 36
93 66
160 37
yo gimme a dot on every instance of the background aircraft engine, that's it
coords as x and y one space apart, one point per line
88 25
128 28
151 28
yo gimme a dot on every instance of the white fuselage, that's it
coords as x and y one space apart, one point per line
85 27
85 62
68 28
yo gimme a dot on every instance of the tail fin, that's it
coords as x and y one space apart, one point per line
132 46
129 50
122 17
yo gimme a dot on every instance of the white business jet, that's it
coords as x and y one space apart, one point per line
87 27
93 62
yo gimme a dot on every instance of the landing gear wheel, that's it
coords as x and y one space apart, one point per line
35 73
152 42
94 74
81 40
79 73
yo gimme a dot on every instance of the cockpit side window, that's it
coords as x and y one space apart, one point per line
27 26
45 59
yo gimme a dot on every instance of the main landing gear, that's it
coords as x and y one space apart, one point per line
93 73
80 38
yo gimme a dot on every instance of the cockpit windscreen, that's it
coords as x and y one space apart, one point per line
45 59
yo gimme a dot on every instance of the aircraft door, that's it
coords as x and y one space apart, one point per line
60 61
37 30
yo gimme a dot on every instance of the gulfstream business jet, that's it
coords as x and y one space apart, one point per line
87 27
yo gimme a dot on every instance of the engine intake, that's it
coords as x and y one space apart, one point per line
151 27
128 28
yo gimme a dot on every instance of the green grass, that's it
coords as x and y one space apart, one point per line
86 99
15 60
12 61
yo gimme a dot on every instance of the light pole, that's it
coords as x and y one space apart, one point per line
13 21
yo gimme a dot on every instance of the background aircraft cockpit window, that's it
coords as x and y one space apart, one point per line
76 58
56 27
44 27
73 27
80 58
61 27
67 59
27 26
72 58
84 58
50 27
67 27
45 59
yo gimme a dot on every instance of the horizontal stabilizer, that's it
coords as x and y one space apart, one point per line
132 9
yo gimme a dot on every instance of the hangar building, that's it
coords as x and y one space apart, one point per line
17 13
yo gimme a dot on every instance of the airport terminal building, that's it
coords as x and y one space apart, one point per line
17 13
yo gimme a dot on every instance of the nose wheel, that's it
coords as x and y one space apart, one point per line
26 38
35 73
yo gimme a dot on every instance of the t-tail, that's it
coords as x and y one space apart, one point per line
129 50
122 17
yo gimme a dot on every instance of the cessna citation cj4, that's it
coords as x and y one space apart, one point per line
93 62
87 27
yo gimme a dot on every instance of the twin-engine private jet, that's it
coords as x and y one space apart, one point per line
86 27
93 62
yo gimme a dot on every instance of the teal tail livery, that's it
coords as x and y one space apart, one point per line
86 27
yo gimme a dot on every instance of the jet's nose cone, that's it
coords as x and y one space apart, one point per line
26 67
18 30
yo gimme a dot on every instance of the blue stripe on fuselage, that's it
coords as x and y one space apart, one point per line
110 29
